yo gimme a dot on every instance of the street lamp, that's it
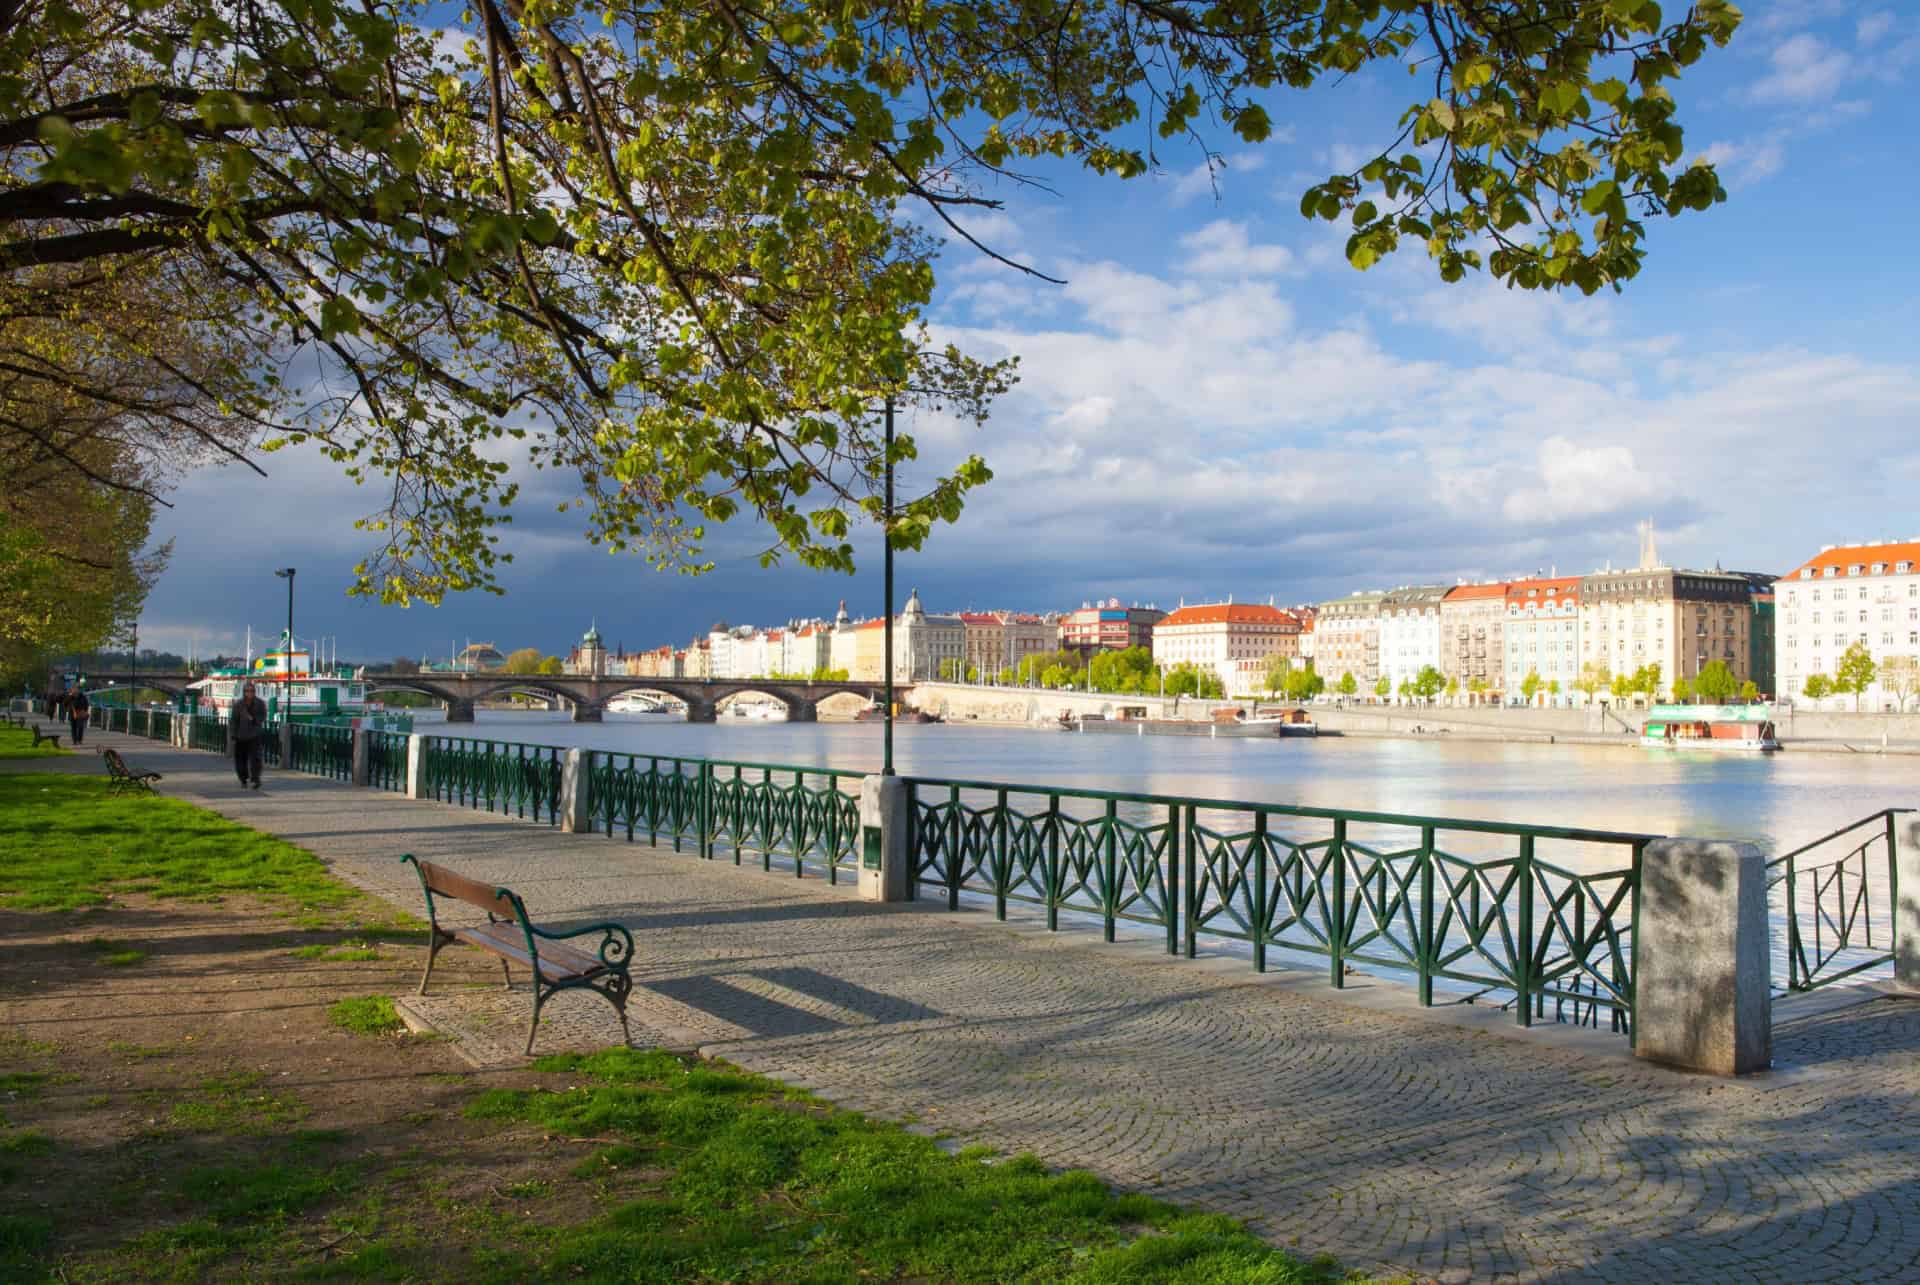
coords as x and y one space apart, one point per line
886 528
286 657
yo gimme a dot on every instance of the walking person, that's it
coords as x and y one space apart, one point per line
247 723
77 711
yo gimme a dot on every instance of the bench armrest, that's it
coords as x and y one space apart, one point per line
616 943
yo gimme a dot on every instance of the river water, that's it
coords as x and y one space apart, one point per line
1776 801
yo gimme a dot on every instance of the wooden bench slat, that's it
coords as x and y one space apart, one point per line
487 897
558 963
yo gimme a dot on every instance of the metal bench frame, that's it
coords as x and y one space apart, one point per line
607 979
121 777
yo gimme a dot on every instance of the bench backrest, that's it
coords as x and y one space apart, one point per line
116 766
496 901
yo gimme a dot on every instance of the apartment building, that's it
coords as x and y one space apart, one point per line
1865 593
1473 621
1542 636
1409 632
1232 639
1346 638
1109 626
1678 619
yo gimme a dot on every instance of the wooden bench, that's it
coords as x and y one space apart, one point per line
121 777
39 736
515 939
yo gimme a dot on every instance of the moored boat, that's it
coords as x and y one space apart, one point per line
1733 729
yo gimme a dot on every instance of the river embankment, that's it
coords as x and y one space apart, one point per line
1822 731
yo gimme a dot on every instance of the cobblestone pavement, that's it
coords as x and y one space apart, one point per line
1388 1141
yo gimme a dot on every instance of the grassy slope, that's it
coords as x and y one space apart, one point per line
17 743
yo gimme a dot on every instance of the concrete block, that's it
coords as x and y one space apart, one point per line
882 851
574 817
1702 988
286 745
417 766
1906 909
361 775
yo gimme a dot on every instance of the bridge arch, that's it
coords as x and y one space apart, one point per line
170 687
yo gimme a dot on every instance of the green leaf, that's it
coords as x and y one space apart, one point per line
1598 195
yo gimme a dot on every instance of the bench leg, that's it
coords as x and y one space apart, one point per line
533 1027
507 973
435 940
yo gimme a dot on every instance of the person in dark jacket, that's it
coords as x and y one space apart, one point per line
77 714
247 723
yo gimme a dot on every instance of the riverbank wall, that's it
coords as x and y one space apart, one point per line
1817 731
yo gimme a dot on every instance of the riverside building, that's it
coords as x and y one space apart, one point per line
1865 593
1472 628
1109 626
1409 632
1346 639
1231 639
1542 636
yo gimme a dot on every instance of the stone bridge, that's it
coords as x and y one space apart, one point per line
586 696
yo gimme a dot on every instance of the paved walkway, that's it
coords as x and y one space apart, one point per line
1389 1141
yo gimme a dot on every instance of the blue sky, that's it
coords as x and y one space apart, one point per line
1216 403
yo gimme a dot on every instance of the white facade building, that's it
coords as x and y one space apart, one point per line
1231 639
1409 633
1543 637
1866 593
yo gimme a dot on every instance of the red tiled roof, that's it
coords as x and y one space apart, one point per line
1847 555
1232 613
1562 588
1461 592
979 618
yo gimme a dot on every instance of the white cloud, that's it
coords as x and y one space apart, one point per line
1743 163
1210 178
1805 69
1873 27
1223 248
1577 481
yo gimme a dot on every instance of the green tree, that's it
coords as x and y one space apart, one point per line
553 665
1304 684
1530 685
1348 684
1749 691
1277 668
1646 680
1682 691
1426 684
1477 686
1623 688
1007 676
1553 688
1854 674
1715 683
1594 678
1382 686
1817 686
676 249
1453 688
523 660
952 670
1900 675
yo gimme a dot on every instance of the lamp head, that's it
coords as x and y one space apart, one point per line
286 573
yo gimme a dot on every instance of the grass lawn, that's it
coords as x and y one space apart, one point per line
17 743
68 844
198 1090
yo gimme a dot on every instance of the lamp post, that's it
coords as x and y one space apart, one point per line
133 667
886 529
286 657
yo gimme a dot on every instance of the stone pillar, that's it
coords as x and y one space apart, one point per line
585 713
882 852
1703 988
360 773
699 711
416 766
459 711
574 817
1906 910
286 745
803 712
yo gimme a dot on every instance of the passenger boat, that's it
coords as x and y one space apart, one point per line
1287 721
877 713
293 688
1733 729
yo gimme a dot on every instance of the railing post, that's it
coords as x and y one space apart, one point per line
359 773
1429 949
1171 897
1110 868
886 853
956 862
1905 874
416 766
1257 921
1337 911
1192 882
1703 991
576 772
1523 952
1053 863
705 808
1002 861
1793 926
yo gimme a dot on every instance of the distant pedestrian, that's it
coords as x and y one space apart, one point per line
247 722
77 711
55 698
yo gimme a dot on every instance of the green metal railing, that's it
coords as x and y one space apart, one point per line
205 733
779 812
1827 899
270 745
160 725
496 776
387 760
323 751
1352 887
